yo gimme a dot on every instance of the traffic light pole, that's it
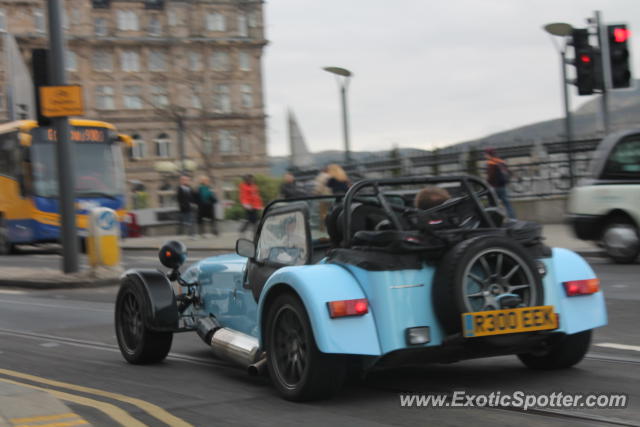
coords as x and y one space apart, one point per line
66 201
605 64
568 128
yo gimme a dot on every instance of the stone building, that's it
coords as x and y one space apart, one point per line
159 69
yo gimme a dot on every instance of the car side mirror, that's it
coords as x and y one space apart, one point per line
246 248
173 254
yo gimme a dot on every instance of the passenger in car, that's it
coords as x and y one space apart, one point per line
430 196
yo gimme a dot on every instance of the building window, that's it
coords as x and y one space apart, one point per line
246 142
100 27
65 19
154 4
243 29
220 61
157 61
132 98
155 28
195 61
244 61
246 95
215 21
195 99
3 20
104 98
76 17
163 145
71 62
207 144
227 141
127 20
159 96
102 60
130 60
253 19
38 19
222 99
172 18
100 4
139 148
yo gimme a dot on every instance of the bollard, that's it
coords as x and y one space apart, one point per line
103 248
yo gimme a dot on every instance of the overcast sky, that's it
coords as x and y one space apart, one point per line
427 73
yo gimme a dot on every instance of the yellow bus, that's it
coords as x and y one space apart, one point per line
29 202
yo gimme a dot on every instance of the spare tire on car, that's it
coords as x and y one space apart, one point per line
484 273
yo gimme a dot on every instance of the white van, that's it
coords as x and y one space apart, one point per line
606 207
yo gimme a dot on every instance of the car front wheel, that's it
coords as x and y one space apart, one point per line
298 370
138 344
620 240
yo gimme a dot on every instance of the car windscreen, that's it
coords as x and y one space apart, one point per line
96 158
624 160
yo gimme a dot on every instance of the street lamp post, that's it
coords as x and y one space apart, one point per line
342 76
564 30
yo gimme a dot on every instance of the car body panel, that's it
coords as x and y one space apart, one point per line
577 313
316 285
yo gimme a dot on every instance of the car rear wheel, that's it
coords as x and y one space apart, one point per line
298 370
559 352
621 240
138 344
484 273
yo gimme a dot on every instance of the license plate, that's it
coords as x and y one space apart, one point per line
509 321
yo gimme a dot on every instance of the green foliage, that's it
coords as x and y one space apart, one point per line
234 212
140 200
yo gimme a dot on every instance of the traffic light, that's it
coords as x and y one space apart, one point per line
618 35
585 61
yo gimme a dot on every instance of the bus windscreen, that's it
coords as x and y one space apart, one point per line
96 158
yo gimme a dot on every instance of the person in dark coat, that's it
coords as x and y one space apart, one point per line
206 206
289 189
186 199
498 176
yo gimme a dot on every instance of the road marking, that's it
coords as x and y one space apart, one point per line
618 346
112 411
71 420
69 307
11 292
153 410
50 344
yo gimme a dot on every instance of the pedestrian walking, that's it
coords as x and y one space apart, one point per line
289 189
320 183
498 176
249 195
338 180
206 206
186 201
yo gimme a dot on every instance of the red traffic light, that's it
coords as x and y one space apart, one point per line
585 58
621 35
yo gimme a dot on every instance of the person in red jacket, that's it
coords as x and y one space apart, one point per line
251 202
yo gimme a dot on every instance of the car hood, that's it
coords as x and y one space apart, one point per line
228 263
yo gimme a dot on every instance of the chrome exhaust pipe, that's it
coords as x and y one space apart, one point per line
233 346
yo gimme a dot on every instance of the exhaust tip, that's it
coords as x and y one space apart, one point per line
258 368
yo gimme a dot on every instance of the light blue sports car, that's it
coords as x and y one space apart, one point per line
367 280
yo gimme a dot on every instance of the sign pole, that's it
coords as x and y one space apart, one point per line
68 234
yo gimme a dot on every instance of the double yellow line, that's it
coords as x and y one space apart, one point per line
114 412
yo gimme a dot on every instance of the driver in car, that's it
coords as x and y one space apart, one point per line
430 197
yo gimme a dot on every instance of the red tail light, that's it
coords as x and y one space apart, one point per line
581 287
350 307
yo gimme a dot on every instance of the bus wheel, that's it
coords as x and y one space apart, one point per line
6 247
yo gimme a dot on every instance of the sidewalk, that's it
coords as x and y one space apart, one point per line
22 405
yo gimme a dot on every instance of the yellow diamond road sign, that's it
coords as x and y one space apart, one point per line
61 101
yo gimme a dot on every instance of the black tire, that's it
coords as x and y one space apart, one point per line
138 344
561 352
6 248
621 240
298 370
451 281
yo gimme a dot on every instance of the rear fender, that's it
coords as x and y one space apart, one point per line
577 313
316 285
163 310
